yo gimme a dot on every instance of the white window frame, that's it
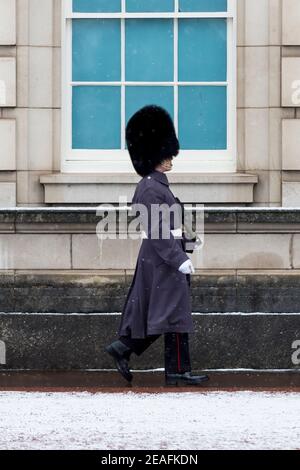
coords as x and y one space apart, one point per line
90 160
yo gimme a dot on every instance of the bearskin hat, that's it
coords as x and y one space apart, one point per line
151 138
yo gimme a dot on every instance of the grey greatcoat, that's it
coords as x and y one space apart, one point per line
158 300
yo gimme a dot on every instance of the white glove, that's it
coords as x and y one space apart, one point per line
186 267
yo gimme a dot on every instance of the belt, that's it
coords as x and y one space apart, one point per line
176 232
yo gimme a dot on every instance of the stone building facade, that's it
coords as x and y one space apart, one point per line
266 78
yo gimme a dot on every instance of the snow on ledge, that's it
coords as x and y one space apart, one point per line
246 314
110 208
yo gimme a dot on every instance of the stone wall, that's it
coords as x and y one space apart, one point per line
76 342
30 117
60 300
268 50
53 261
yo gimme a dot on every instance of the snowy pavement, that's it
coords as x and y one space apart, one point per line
181 420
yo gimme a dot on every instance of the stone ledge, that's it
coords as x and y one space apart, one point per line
84 219
269 291
116 178
93 188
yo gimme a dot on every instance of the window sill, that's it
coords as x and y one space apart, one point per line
96 188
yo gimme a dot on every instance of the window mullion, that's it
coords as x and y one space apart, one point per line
123 65
176 123
107 83
150 15
67 68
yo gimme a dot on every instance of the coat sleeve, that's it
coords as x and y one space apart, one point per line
190 238
167 247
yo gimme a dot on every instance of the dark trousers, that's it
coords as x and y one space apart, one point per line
177 355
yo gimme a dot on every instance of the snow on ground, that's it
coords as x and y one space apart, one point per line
189 420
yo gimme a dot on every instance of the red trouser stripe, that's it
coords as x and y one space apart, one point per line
178 353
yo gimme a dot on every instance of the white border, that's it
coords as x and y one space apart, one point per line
82 161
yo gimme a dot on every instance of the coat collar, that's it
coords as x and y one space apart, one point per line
159 176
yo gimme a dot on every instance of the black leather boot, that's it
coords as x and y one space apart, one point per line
121 353
186 378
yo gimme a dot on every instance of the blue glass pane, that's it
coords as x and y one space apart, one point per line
202 5
96 117
202 49
149 50
96 6
149 5
96 50
139 96
202 117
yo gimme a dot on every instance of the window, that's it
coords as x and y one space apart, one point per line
119 55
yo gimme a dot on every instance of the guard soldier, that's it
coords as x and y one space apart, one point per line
158 301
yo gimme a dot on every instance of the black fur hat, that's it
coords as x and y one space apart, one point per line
150 138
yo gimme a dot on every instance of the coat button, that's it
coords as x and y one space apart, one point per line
149 177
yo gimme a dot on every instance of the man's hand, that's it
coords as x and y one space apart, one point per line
186 267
